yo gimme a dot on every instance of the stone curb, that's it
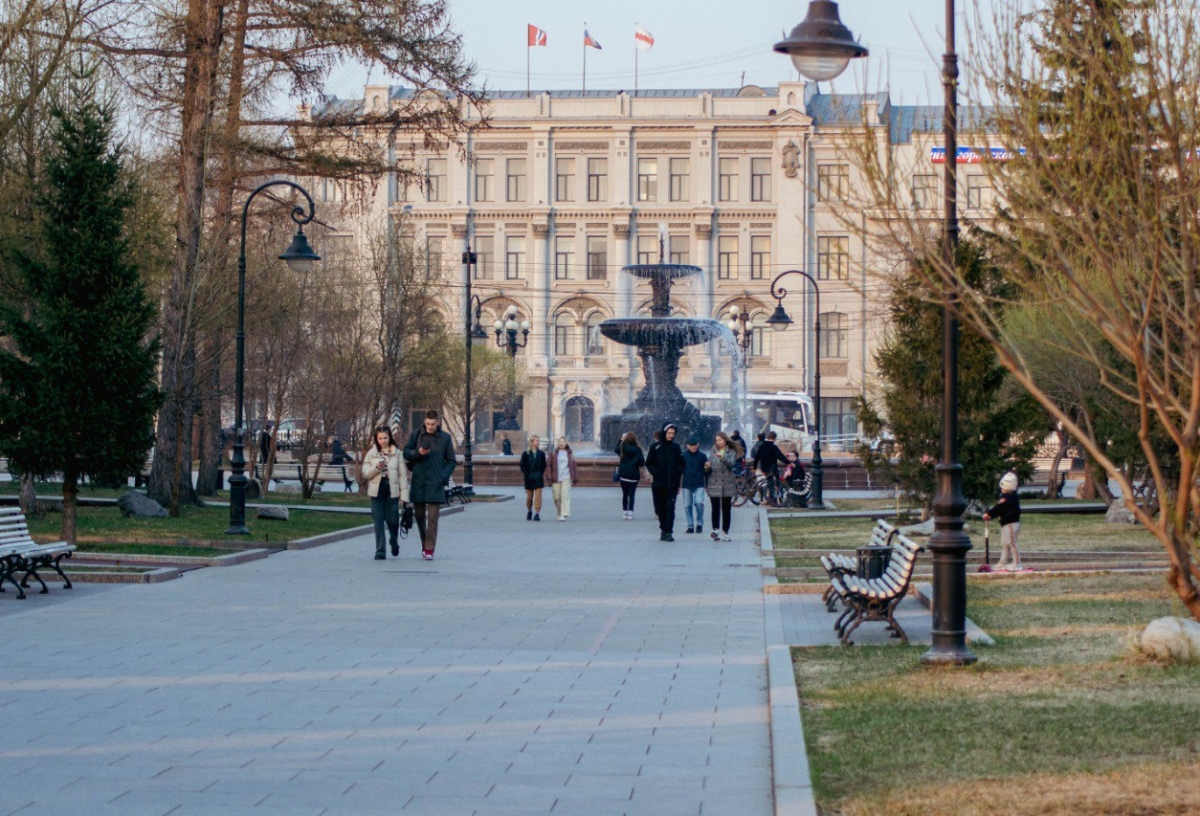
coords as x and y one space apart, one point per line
154 576
329 538
789 757
234 558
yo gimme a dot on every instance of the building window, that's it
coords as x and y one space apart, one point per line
593 341
485 180
405 178
647 249
833 182
760 257
979 192
833 257
727 257
435 183
834 338
680 250
485 257
433 254
564 327
760 179
564 179
515 180
680 174
514 258
597 179
727 180
564 257
597 257
760 338
647 180
838 420
925 192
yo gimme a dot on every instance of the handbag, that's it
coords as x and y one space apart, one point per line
616 474
406 520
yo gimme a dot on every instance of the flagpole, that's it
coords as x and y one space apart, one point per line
585 59
635 63
528 48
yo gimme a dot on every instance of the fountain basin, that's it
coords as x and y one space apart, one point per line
656 331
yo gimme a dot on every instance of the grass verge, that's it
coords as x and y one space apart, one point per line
1060 716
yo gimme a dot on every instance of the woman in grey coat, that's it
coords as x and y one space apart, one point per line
722 484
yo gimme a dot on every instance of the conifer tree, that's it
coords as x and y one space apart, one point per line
77 370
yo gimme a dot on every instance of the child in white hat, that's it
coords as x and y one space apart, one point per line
1008 510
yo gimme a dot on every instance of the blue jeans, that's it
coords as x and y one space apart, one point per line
694 500
385 512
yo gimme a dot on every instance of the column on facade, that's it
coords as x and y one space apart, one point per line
708 289
540 363
623 307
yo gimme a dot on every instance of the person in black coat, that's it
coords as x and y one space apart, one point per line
665 463
506 446
429 454
1008 510
629 471
533 468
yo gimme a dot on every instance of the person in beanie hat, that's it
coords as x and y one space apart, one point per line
694 468
665 463
1008 510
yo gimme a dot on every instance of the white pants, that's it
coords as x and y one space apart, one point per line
1008 544
561 490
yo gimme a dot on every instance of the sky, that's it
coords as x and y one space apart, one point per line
698 44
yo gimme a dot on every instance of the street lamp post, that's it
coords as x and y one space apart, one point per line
474 332
822 36
506 338
742 326
779 321
300 257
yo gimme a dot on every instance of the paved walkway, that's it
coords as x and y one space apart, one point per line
579 667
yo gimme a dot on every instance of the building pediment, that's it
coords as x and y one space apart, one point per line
792 118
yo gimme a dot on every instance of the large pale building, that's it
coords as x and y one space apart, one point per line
558 190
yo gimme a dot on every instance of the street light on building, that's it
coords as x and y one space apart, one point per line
299 257
506 338
779 320
823 37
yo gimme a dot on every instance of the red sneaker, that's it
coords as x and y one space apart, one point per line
427 555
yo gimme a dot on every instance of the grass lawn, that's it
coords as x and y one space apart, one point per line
332 498
1058 717
194 523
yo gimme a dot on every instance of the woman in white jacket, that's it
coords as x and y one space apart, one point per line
383 470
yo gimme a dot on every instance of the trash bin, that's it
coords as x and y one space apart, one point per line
873 561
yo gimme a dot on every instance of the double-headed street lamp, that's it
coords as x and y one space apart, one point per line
506 338
742 326
300 257
779 320
474 332
820 48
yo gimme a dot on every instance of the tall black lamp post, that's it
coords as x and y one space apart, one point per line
300 257
822 37
506 338
474 332
742 326
779 321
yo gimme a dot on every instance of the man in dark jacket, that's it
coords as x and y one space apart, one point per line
430 455
665 463
769 459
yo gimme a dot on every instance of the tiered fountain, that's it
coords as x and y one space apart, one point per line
660 341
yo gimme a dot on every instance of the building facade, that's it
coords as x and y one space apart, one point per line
555 192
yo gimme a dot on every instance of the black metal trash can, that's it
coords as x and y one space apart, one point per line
873 561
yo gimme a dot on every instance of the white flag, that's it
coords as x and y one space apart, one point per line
643 39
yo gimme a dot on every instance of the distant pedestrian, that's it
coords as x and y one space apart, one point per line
264 446
1008 510
563 474
629 471
665 463
533 468
736 438
768 460
694 469
337 451
658 438
387 485
430 454
722 483
758 440
505 445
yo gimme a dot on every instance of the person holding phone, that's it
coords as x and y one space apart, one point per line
387 486
430 452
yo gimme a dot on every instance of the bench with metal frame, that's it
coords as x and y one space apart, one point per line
876 599
836 564
19 553
290 472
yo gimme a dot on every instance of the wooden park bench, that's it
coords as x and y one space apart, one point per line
21 554
836 564
875 599
290 472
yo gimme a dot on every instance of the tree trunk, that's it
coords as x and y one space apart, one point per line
28 501
70 494
1056 463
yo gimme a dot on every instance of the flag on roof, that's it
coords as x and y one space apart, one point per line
643 39
589 42
536 36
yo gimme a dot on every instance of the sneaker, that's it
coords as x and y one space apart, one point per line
690 530
529 515
669 537
380 557
699 529
395 551
537 516
562 518
662 536
427 555
713 535
725 537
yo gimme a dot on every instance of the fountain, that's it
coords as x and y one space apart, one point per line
660 340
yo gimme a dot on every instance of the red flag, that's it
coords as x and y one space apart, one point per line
536 36
589 42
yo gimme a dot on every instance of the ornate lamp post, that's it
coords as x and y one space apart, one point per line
742 326
827 38
779 321
474 332
506 338
300 257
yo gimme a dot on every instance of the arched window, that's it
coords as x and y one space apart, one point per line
835 331
564 327
593 340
